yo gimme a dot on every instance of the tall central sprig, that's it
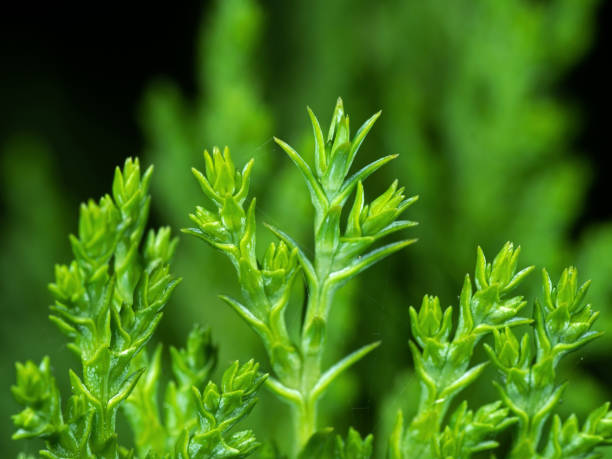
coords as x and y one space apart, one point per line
340 253
338 256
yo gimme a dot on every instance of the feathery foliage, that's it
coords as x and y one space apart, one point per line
340 253
108 302
110 298
487 138
528 390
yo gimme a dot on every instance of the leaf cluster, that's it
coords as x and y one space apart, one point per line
110 299
342 250
529 392
108 302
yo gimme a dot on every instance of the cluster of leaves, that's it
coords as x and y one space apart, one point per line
442 352
340 253
562 324
437 95
528 389
193 423
496 81
108 302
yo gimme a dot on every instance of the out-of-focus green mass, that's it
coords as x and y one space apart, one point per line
471 103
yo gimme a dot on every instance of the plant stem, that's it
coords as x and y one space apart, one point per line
312 346
305 415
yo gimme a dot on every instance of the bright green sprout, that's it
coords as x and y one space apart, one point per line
108 301
562 324
443 352
194 423
340 253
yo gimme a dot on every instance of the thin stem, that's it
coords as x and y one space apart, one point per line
312 351
305 415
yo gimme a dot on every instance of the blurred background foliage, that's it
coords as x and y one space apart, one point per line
491 105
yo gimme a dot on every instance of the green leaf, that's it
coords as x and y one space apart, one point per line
359 176
320 154
364 262
108 302
220 408
316 192
360 136
333 372
304 261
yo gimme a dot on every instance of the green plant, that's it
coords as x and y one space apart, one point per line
487 139
562 324
194 423
339 254
108 302
442 357
110 299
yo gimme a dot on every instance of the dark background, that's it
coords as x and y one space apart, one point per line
75 77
